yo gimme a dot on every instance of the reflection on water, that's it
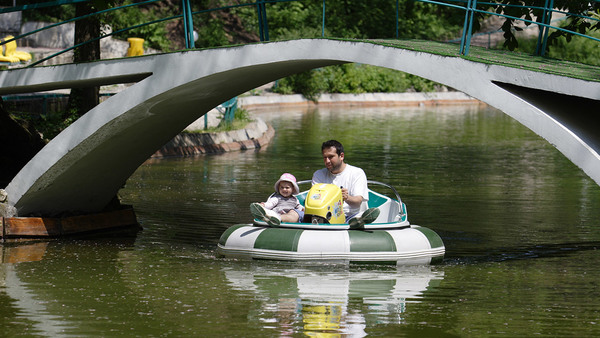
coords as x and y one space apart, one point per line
22 252
25 303
519 222
331 299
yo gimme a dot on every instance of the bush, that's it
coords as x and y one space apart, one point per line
241 117
351 78
579 49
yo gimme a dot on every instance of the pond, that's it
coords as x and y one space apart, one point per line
520 223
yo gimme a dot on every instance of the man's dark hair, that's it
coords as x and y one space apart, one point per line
339 148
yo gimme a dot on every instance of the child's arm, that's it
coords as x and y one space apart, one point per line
299 206
271 202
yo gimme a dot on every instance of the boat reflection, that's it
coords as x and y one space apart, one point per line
328 300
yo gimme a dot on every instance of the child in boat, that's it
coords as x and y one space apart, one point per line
282 206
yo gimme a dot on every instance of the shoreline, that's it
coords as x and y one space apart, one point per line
365 100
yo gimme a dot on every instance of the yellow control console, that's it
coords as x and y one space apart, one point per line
324 204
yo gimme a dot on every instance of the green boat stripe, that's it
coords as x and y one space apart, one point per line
279 239
228 233
373 241
434 239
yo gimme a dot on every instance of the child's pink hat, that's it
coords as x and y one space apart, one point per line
288 178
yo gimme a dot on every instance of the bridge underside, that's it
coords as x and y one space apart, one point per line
83 168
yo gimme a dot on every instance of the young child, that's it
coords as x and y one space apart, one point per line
282 206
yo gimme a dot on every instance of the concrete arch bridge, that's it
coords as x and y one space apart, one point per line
84 167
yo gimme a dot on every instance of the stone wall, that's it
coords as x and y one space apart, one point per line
254 136
10 23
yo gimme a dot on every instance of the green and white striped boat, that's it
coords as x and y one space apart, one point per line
390 238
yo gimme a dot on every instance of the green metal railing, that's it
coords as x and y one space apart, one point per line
545 24
228 109
470 7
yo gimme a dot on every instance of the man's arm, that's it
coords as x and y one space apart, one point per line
353 201
359 190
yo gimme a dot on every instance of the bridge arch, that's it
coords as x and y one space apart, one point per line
84 167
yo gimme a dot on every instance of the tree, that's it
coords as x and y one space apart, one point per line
361 19
81 100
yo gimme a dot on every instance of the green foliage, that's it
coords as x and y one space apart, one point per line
50 124
579 49
291 20
420 20
48 14
242 114
241 118
351 78
248 17
310 84
211 34
355 19
515 8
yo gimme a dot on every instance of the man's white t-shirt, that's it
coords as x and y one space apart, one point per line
352 178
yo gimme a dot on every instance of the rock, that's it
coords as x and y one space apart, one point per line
5 209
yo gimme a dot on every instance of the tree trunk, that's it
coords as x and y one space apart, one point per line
81 100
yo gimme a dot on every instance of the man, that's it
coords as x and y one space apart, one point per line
352 180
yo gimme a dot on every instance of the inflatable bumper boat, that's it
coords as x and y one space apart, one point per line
390 238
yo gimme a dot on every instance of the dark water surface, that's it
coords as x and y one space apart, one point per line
520 224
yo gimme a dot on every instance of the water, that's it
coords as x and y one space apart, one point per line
519 221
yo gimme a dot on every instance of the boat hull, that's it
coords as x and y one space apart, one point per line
412 244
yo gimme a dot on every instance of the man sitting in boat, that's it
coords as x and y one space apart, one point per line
351 179
282 206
